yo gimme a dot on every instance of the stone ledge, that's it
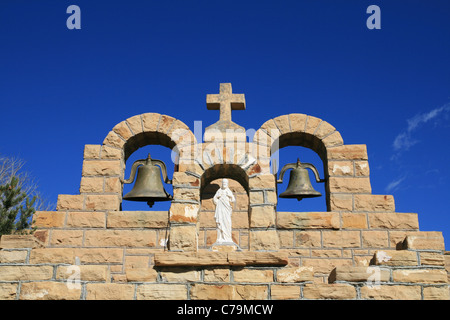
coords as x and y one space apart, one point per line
220 258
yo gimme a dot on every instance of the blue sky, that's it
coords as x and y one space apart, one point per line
389 88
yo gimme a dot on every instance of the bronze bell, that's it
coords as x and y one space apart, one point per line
299 185
148 186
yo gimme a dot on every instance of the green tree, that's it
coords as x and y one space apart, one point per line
19 198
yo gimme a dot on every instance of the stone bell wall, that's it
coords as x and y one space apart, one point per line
360 248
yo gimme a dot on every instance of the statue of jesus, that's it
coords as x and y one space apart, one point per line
223 199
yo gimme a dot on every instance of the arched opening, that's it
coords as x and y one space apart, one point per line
160 147
308 149
211 181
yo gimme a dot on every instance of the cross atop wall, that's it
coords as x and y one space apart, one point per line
225 102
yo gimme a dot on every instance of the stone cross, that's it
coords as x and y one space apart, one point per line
225 102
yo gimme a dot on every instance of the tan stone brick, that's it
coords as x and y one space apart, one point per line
92 151
333 140
286 238
395 258
183 179
295 274
8 291
165 123
101 168
12 241
348 152
135 124
307 239
271 128
297 121
109 291
329 291
69 238
432 259
391 292
264 240
341 202
186 194
354 220
282 123
150 121
341 239
311 124
49 290
256 198
256 258
359 274
123 130
25 272
424 240
108 152
420 275
217 275
253 275
86 272
393 220
120 238
91 185
141 275
69 202
436 293
326 253
86 219
14 256
374 203
114 140
48 219
340 168
182 274
183 212
161 292
67 255
138 219
308 220
350 185
284 292
262 216
228 292
375 239
113 185
102 202
262 181
325 266
183 238
362 168
324 130
239 220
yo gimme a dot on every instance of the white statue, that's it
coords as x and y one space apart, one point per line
223 199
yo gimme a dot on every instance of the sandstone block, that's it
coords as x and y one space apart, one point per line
8 291
183 179
114 140
135 124
67 255
108 152
91 185
340 168
262 216
19 241
297 121
354 220
183 238
70 238
180 275
150 121
341 202
253 275
13 256
141 275
92 151
362 168
86 220
109 291
217 275
120 238
436 293
264 240
295 274
25 272
424 240
341 239
183 212
189 194
262 181
348 152
165 123
138 219
394 220
374 203
101 168
228 292
48 219
333 140
375 239
161 292
391 292
86 272
359 274
395 258
420 275
325 266
350 185
324 130
102 202
284 292
49 290
432 259
69 202
329 291
308 220
123 130
307 239
256 198
257 258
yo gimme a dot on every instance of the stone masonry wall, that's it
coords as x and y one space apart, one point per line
90 249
